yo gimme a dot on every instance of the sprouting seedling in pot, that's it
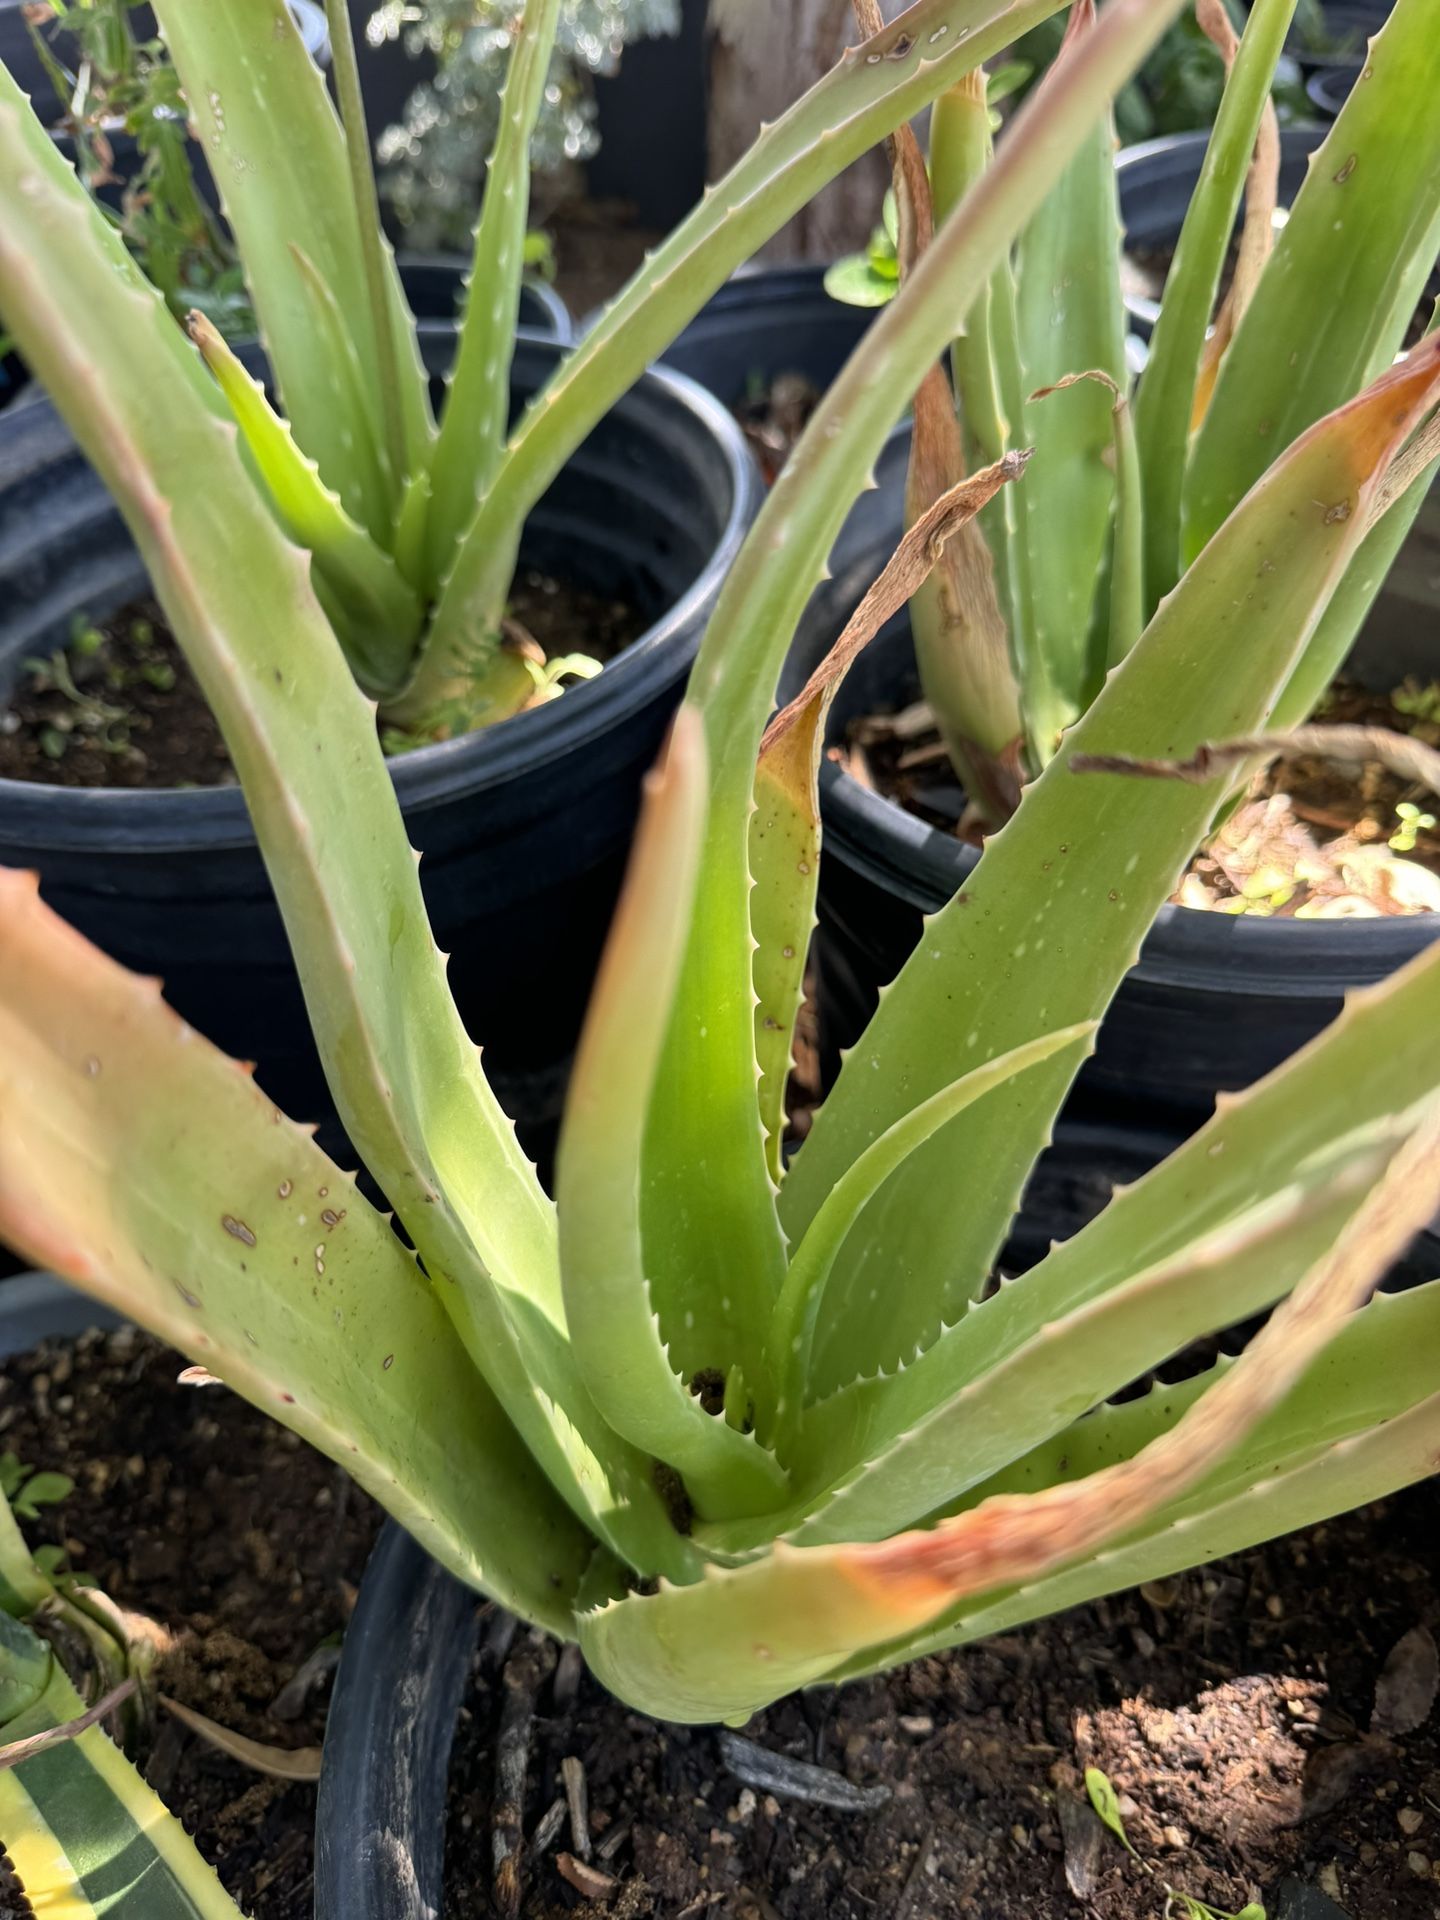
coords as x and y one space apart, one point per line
1103 1798
28 1490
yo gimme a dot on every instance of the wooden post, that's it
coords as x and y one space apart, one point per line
763 55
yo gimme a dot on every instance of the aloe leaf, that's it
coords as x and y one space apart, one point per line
1069 318
985 358
1257 234
767 1625
85 1836
373 258
1048 1347
962 647
785 829
874 88
785 862
376 614
603 1258
405 1075
713 1239
245 70
477 411
961 642
1344 279
1221 647
960 151
793 1322
242 1245
1362 1424
1164 404
1124 566
1347 611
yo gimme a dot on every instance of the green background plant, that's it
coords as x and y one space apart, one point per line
433 158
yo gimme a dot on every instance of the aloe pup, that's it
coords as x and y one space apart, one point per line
737 1428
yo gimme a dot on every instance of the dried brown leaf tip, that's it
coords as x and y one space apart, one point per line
908 569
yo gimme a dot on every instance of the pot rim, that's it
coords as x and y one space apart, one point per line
1303 137
90 820
385 1774
38 1306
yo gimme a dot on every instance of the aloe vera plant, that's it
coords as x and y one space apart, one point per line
1129 487
738 1426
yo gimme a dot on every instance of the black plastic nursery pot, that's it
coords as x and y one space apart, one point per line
435 283
1215 1000
523 827
1329 90
762 324
1346 28
37 1306
405 1669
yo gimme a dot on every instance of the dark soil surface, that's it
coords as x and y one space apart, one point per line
1228 1709
194 1509
1312 837
119 707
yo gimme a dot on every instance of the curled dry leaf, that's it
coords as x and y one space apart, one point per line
278 1763
1402 753
19 1751
907 570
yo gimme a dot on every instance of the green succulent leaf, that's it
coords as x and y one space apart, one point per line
472 430
376 615
715 1240
1164 403
245 71
406 1076
603 1254
752 1631
1356 1429
263 1263
793 1323
1070 319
